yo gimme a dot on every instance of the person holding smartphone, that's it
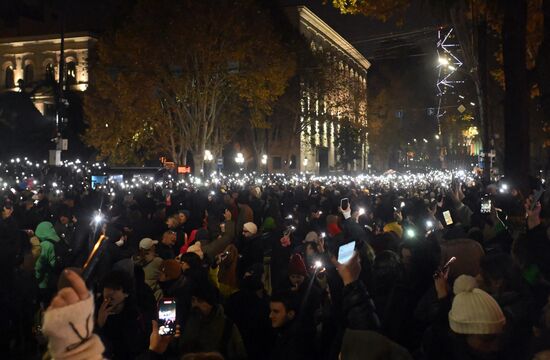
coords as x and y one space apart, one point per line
122 326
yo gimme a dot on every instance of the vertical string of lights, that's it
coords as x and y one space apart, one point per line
448 65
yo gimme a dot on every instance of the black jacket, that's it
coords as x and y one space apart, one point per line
289 344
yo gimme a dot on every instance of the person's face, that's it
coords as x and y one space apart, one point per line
115 297
490 285
169 238
172 223
278 314
182 219
406 256
296 280
185 266
69 202
201 305
64 220
149 255
227 215
6 212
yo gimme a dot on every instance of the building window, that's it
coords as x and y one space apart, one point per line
277 163
71 73
50 76
9 83
292 164
28 75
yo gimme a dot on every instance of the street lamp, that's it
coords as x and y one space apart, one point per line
239 159
208 155
443 61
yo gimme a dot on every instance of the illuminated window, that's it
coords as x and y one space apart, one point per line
50 72
71 73
9 83
28 74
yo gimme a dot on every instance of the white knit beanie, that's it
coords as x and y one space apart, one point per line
474 311
251 228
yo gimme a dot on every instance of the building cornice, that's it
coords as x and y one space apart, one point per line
46 39
311 20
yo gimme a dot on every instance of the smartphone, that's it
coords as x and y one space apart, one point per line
167 316
445 267
448 218
344 204
345 252
485 205
536 198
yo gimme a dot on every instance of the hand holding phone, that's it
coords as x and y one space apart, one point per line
167 317
345 252
536 197
443 270
344 204
486 205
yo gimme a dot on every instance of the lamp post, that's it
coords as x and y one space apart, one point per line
264 162
208 157
239 159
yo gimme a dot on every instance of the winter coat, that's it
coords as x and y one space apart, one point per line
358 308
251 315
206 334
289 344
369 345
152 273
125 335
44 267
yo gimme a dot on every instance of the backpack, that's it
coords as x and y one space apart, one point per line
63 255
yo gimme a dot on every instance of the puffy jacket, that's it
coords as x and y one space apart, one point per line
359 311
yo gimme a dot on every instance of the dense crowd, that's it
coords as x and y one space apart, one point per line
444 267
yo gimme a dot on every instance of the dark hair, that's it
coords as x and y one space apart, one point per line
205 291
288 298
119 280
501 267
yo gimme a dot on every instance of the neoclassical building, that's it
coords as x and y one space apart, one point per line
322 113
31 61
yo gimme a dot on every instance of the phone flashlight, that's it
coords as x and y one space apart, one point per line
318 264
361 211
323 235
98 218
410 233
402 204
289 217
429 224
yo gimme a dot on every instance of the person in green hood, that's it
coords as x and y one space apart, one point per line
45 265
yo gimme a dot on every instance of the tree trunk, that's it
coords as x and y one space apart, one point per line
543 71
516 111
482 89
198 162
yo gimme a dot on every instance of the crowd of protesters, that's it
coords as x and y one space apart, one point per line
254 272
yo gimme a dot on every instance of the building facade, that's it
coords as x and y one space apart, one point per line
32 63
324 104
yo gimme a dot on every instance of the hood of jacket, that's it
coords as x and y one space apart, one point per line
46 231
